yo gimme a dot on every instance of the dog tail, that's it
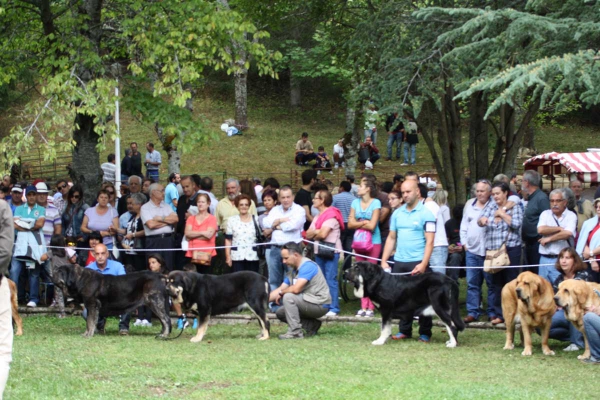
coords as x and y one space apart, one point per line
454 308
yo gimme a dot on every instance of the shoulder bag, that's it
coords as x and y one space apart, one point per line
260 238
496 260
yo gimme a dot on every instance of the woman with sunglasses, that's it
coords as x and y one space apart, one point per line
103 218
588 243
72 217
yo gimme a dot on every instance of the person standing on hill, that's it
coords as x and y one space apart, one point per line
136 160
153 161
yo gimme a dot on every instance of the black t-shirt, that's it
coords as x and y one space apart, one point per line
126 166
453 231
304 198
136 164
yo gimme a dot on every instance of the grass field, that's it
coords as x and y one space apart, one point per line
52 361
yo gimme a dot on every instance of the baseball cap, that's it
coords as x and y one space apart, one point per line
31 188
41 187
431 185
17 188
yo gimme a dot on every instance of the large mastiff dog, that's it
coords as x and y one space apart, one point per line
399 296
528 299
574 296
208 295
109 295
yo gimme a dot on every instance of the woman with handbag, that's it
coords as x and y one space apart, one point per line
134 234
200 231
72 217
364 217
325 230
502 237
240 237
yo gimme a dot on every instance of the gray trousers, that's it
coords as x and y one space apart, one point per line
295 311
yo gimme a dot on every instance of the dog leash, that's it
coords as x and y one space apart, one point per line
172 338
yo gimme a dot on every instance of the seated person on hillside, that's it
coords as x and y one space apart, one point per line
323 162
338 154
304 150
368 152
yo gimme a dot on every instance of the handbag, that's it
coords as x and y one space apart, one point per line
201 257
362 241
260 238
496 260
326 250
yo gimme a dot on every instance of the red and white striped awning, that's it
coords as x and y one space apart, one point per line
585 165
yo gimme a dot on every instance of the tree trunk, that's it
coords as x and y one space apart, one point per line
352 136
529 139
295 93
478 151
512 149
241 97
85 168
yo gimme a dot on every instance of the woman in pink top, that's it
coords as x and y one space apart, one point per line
200 231
102 218
327 228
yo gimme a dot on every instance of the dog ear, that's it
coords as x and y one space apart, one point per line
544 288
582 294
371 276
187 280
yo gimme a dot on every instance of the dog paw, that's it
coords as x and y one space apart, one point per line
526 352
509 346
548 353
583 357
378 342
196 339
450 344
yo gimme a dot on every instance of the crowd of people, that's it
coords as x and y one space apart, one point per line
405 226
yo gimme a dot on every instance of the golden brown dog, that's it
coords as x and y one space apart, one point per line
574 296
15 307
528 299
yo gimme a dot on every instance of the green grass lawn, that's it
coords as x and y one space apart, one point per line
52 361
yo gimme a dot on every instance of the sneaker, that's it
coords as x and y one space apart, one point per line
32 304
292 335
331 172
361 313
424 338
370 314
54 304
400 336
146 323
331 314
195 325
343 165
319 172
403 164
138 322
571 347
336 166
590 361
123 332
311 327
182 323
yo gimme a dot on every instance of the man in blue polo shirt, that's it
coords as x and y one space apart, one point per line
301 295
415 225
108 267
28 212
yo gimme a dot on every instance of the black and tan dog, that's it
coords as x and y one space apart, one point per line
399 296
528 299
108 295
574 296
208 295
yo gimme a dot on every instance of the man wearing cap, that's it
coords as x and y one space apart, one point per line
159 221
53 222
29 210
16 198
431 187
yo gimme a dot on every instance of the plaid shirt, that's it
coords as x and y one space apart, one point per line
496 232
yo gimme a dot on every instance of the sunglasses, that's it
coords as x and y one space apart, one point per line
75 196
62 186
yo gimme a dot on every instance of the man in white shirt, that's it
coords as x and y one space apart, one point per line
557 227
338 154
153 161
159 221
285 221
109 169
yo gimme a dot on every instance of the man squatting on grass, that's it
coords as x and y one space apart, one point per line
301 295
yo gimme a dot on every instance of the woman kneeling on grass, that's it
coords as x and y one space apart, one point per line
326 230
570 266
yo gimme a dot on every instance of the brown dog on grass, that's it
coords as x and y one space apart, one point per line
574 296
15 307
528 299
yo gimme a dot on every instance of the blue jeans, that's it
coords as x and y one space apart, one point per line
548 272
413 153
475 279
372 134
591 322
562 329
277 269
394 137
437 261
330 271
152 173
34 279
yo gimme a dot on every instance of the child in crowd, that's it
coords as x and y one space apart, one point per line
323 163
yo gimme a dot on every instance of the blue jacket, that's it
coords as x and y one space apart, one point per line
586 228
76 219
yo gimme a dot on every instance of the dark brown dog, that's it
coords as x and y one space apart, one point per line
15 307
529 298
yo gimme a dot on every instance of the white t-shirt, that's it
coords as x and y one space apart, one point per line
440 230
568 221
337 149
